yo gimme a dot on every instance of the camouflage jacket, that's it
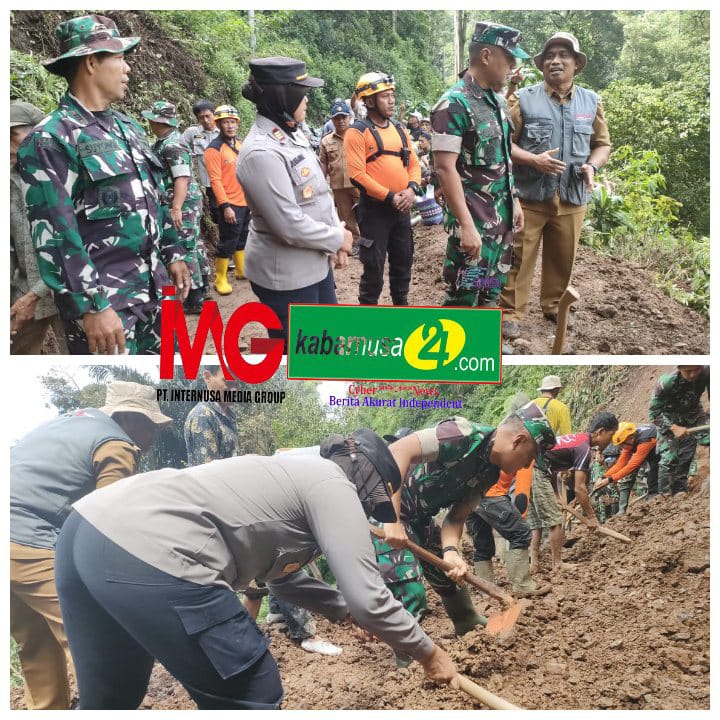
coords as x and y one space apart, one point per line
475 123
93 190
177 163
457 468
676 401
211 433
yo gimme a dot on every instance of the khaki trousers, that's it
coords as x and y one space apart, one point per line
345 198
560 235
36 625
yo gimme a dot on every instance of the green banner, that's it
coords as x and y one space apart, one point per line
426 344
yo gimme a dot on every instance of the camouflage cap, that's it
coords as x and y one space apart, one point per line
537 424
563 38
24 113
87 35
508 38
162 111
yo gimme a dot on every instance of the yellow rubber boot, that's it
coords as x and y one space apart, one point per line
221 281
239 258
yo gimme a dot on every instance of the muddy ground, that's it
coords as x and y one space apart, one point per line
620 311
627 628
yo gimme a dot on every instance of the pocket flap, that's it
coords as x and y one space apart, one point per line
218 609
583 129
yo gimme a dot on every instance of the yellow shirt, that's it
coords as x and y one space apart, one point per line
558 414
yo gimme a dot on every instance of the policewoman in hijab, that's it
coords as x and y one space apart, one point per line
148 568
295 236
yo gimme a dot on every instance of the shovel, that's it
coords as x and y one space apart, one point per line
602 530
498 624
569 297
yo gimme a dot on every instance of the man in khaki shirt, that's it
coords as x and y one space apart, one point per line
560 142
50 468
334 165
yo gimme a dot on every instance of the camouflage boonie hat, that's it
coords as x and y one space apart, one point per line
505 37
162 111
536 423
87 35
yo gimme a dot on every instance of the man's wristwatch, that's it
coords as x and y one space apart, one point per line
414 187
594 167
450 548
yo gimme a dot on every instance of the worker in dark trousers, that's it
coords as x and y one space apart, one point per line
383 165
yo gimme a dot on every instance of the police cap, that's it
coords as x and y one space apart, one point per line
282 71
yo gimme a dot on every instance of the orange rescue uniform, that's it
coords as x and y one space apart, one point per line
386 174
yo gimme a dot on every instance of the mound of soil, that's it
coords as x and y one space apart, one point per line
620 312
626 628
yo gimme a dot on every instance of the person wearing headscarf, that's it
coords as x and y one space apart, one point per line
295 236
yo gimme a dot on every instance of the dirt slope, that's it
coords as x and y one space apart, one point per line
627 628
620 312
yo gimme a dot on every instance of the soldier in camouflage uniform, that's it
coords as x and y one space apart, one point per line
606 500
455 463
211 429
471 149
675 406
182 192
93 189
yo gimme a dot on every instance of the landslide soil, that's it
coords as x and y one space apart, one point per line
628 627
620 311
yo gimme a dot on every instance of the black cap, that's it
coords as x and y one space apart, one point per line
282 71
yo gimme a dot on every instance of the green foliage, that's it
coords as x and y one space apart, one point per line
667 46
16 675
673 120
600 34
29 81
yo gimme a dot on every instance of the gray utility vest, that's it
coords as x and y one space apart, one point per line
547 124
52 467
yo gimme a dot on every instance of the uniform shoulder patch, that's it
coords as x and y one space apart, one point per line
279 135
47 142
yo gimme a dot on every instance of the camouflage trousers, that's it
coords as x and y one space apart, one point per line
479 280
141 324
402 575
637 480
299 622
676 455
191 241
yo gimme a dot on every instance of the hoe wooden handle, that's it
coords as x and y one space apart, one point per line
487 587
602 530
569 297
485 696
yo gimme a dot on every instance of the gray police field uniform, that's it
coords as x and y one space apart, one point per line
294 225
211 530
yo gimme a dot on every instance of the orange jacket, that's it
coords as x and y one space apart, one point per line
386 174
523 482
220 161
630 460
